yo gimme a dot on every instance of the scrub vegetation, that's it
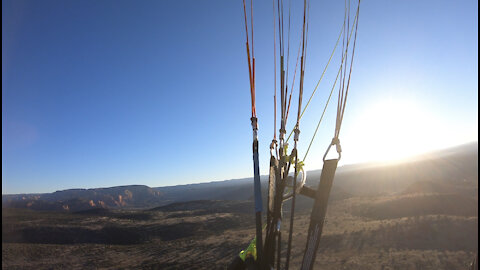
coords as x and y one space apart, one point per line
428 222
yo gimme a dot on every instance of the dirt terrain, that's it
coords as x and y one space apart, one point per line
359 234
417 215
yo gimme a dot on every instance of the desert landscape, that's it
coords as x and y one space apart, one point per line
141 135
420 214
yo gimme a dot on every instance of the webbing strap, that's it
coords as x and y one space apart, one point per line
271 186
256 179
273 226
319 211
258 198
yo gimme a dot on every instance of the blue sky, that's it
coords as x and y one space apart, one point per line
106 93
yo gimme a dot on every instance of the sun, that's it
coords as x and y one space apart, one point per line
392 130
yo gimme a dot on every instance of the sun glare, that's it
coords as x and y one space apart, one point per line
392 130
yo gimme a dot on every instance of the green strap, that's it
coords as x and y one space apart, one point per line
251 250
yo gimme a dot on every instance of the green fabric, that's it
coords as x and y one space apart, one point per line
250 251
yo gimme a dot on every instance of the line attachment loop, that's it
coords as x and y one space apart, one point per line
336 142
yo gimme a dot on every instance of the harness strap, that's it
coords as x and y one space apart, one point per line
319 211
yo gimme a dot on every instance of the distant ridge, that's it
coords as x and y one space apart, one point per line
134 196
451 170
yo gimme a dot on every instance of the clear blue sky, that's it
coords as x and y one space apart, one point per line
106 93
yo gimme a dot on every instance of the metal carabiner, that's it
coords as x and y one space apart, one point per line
336 142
